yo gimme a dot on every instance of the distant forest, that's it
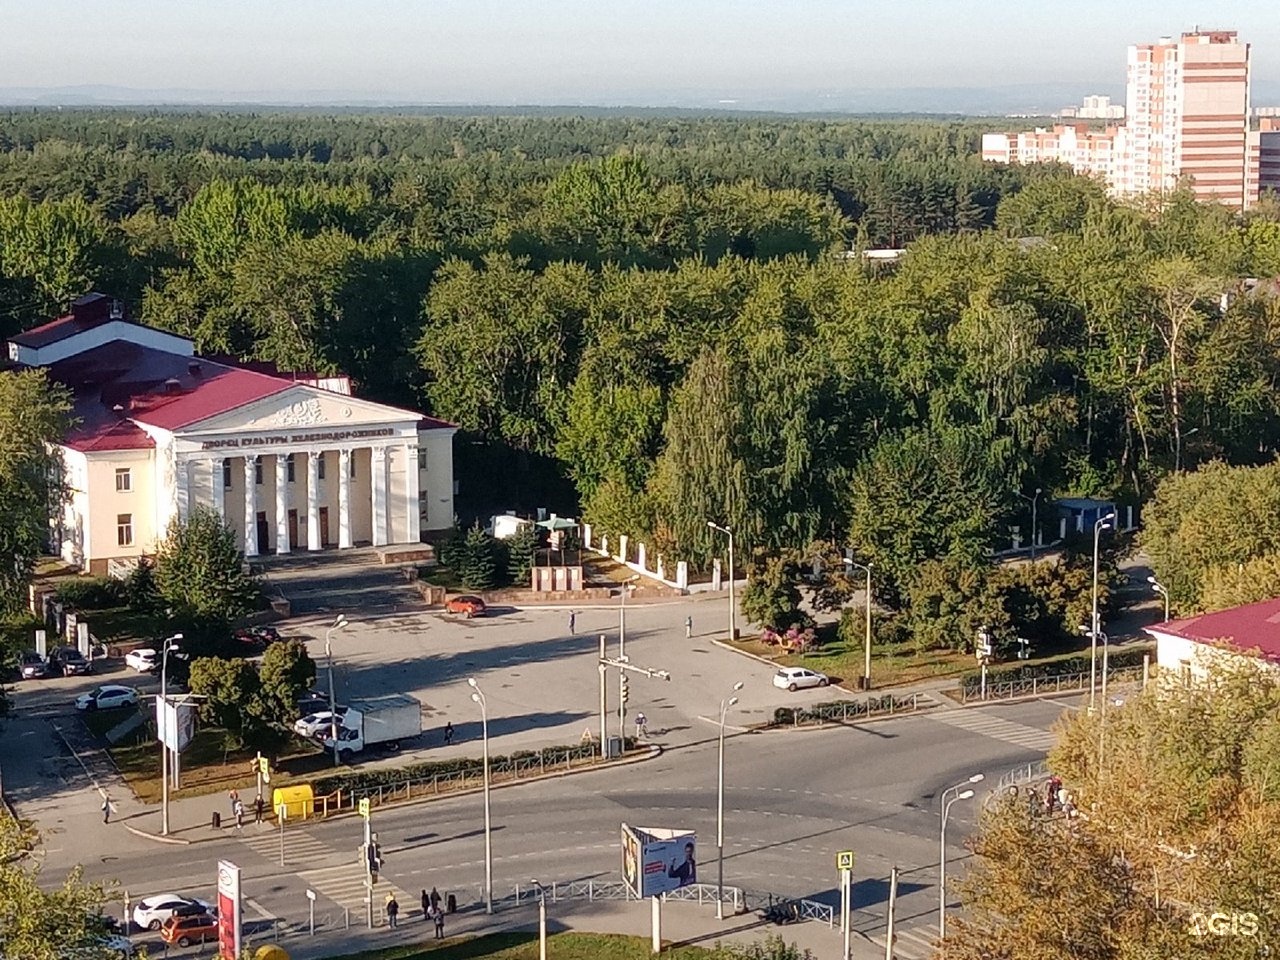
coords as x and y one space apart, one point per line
653 319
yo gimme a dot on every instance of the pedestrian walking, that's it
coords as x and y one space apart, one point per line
448 733
233 798
106 809
393 910
573 622
439 918
426 906
688 628
239 812
642 722
258 806
435 898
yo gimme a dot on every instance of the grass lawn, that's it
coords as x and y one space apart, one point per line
441 577
207 767
524 946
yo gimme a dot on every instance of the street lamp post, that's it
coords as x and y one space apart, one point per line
965 794
1102 523
542 920
171 643
724 708
1161 589
478 696
733 612
338 624
1034 500
866 667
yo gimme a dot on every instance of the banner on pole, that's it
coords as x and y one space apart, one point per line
656 860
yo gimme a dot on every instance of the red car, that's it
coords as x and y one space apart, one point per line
466 605
185 931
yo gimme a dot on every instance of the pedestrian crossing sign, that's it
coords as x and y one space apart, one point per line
364 807
844 860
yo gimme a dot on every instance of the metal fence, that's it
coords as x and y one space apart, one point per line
971 690
844 711
500 771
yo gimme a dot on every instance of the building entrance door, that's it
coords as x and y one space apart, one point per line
293 529
324 528
264 533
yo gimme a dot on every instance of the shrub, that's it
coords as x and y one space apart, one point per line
1128 656
91 593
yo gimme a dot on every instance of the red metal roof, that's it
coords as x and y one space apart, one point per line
121 381
91 310
1254 626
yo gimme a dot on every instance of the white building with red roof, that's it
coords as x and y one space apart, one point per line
1187 647
292 462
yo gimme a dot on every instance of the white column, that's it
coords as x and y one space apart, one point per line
216 493
313 500
182 486
413 524
250 507
282 504
378 464
344 499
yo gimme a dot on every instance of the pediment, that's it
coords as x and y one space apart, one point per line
302 407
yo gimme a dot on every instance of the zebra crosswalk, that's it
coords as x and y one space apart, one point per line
345 886
913 944
978 721
299 846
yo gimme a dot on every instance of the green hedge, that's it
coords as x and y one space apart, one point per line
1127 656
368 781
91 593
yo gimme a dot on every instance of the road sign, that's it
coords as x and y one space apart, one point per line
364 807
311 895
844 860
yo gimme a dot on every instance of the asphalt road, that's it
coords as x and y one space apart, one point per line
793 799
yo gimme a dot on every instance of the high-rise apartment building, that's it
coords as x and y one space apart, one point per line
1188 115
1187 119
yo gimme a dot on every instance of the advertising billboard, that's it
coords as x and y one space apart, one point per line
655 860
175 723
228 910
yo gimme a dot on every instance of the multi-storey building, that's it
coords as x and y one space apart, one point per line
1089 152
1187 121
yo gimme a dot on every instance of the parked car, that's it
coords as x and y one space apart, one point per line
313 701
258 637
185 931
144 660
793 678
32 666
466 605
151 913
69 662
107 697
319 722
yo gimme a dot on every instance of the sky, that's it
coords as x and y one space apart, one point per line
642 52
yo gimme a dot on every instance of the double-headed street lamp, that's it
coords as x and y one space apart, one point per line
724 708
1106 522
733 613
170 643
1034 500
338 624
542 920
964 794
1161 589
866 668
478 696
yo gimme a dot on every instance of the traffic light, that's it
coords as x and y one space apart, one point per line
626 689
373 859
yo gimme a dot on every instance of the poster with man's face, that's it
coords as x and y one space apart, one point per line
652 866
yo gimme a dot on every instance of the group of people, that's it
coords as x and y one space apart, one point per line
1058 797
237 808
431 911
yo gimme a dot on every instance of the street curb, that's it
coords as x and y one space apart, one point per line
654 751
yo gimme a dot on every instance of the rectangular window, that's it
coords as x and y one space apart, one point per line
257 472
124 529
288 467
422 459
124 479
320 466
226 474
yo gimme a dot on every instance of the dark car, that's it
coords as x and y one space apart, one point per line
257 638
70 662
32 666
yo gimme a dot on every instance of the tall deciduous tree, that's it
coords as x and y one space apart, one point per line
199 570
286 675
34 414
232 696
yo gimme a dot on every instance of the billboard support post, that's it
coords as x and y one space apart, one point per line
656 917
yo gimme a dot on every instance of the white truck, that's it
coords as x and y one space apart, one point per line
378 721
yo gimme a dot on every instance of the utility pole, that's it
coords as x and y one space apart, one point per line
865 684
370 859
1102 523
604 725
893 902
622 655
733 607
